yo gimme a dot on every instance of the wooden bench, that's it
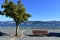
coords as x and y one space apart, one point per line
39 32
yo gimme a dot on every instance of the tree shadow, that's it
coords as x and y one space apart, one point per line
3 34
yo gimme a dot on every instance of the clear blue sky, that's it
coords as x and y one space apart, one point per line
41 10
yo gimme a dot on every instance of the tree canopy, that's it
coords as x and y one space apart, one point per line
15 11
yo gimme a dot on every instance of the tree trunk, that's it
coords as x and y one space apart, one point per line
16 29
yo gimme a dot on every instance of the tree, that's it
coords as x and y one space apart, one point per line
15 11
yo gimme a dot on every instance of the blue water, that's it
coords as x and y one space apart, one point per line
36 25
30 25
33 25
